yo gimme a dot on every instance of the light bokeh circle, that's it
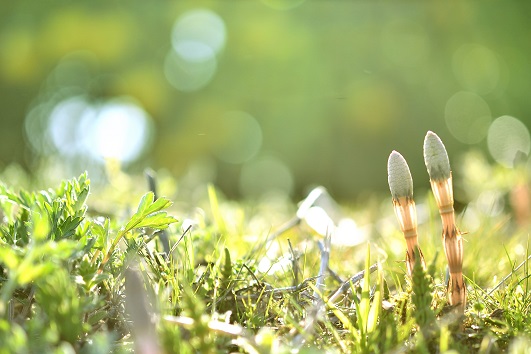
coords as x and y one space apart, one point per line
265 175
200 26
507 138
477 68
241 137
467 117
121 131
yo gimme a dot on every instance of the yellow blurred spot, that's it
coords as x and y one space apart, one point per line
144 83
197 136
18 60
109 35
259 37
373 105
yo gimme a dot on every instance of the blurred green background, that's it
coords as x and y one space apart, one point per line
260 96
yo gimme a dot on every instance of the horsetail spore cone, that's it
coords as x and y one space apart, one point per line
399 176
436 158
438 165
401 186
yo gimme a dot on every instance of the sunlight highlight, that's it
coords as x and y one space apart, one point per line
120 131
64 123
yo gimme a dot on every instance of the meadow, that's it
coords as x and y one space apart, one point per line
122 268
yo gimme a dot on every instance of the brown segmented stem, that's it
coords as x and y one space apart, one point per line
444 196
406 214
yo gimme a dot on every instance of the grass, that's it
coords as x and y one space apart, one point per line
85 271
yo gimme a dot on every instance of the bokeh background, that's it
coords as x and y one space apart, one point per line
260 96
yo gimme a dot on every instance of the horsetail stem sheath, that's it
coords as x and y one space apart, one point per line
401 186
438 165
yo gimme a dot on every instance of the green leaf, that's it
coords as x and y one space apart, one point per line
226 270
161 203
43 195
148 214
68 227
216 212
100 233
81 199
25 198
145 203
157 220
20 228
364 306
376 303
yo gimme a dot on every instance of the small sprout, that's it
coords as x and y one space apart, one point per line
401 186
438 165
436 157
399 176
